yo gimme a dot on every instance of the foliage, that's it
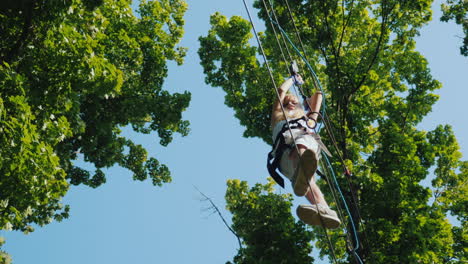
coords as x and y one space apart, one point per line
72 74
378 89
4 257
457 10
263 221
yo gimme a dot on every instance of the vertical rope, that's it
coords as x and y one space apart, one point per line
296 30
333 139
317 84
277 22
279 99
282 108
276 37
269 71
278 42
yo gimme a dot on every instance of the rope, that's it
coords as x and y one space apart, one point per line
279 100
296 31
276 19
317 85
279 44
294 24
322 224
326 158
269 71
330 133
333 191
353 194
287 49
276 37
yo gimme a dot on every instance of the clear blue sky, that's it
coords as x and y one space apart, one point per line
125 221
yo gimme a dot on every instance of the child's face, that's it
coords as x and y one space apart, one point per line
290 102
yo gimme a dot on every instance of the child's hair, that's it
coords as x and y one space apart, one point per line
298 112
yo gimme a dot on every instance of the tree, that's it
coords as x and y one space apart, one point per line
458 11
4 257
263 221
378 89
72 75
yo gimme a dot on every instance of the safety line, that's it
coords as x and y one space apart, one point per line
329 128
277 23
284 41
347 209
329 164
279 97
276 37
297 32
280 46
317 83
332 249
276 19
294 24
270 72
324 175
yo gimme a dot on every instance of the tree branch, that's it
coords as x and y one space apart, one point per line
376 51
27 28
345 24
335 51
213 205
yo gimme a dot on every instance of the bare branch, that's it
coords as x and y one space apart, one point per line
213 206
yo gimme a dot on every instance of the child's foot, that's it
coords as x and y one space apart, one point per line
323 216
305 170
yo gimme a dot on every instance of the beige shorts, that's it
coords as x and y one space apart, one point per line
287 165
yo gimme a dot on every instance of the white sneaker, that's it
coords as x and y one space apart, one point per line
324 216
306 168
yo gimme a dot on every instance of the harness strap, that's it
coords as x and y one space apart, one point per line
279 146
274 158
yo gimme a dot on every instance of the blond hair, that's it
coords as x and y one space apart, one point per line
296 113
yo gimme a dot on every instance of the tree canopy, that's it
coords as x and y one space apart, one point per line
263 220
378 89
457 11
72 75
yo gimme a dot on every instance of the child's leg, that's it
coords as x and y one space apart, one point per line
305 170
314 195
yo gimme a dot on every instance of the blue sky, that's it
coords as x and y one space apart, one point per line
125 221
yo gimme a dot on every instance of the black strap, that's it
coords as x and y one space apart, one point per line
274 158
272 166
319 173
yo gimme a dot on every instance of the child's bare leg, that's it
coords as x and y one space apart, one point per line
314 195
308 174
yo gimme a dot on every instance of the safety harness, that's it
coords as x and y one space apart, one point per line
280 146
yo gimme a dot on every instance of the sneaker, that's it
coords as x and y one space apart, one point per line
325 216
304 172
